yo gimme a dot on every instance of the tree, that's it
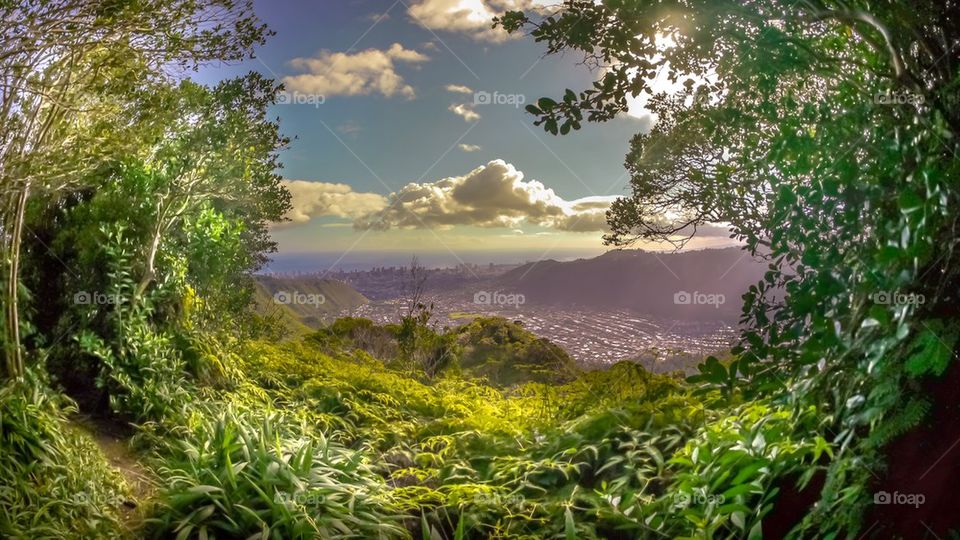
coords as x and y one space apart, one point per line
60 65
826 135
167 236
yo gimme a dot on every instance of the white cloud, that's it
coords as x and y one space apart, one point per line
586 215
471 17
464 111
469 147
316 199
371 71
493 195
458 89
349 128
377 17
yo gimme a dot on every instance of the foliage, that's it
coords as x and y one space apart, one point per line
506 353
139 370
825 135
74 75
237 473
483 431
53 479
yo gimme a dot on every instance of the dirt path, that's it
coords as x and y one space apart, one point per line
113 441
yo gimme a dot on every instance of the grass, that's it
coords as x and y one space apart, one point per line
53 476
301 440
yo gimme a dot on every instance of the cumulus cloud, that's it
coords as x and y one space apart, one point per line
587 215
316 199
372 71
464 111
469 147
493 195
471 17
458 89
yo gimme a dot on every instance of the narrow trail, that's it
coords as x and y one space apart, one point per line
113 440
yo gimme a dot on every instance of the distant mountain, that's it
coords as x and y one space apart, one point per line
695 285
305 302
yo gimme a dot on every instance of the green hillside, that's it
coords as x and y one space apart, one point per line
302 303
506 353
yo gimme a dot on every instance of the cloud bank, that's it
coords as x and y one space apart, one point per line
371 71
318 199
473 18
492 195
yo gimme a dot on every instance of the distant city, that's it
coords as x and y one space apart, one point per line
591 328
322 262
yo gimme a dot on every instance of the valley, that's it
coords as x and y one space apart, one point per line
629 314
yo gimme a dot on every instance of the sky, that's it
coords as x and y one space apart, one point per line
409 135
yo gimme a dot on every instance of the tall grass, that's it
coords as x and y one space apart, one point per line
241 473
54 481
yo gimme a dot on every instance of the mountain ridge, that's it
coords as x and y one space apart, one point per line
702 285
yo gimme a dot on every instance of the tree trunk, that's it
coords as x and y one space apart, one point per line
14 352
150 273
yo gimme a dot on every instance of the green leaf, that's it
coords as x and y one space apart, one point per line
570 529
909 202
546 104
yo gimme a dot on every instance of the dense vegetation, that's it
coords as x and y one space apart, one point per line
136 205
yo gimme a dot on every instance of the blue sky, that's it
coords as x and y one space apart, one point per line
371 85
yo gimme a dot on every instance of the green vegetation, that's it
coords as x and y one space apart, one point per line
506 354
156 194
303 305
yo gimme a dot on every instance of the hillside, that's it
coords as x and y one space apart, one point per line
506 353
644 281
304 304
